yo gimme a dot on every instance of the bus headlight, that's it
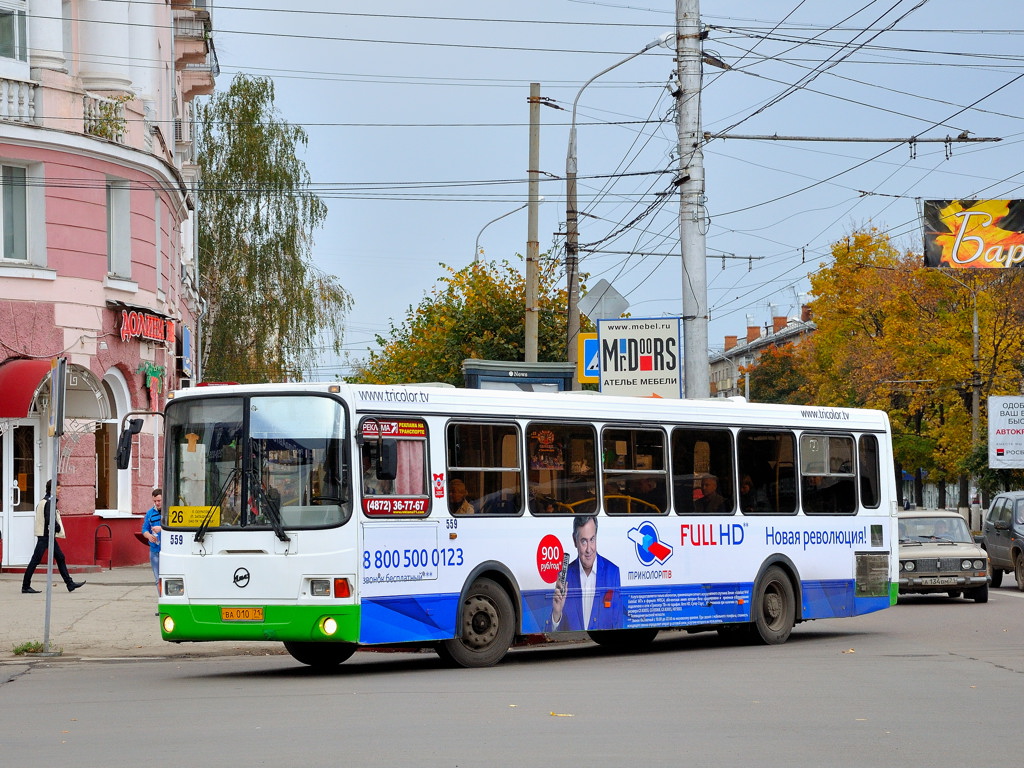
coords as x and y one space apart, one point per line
168 624
328 626
320 587
174 587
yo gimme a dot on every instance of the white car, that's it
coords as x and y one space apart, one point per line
938 554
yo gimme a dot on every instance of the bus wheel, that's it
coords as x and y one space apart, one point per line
774 609
486 627
320 655
624 639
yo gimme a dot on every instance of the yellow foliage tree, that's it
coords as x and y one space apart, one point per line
897 336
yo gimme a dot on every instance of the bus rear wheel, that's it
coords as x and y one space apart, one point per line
485 630
320 655
774 608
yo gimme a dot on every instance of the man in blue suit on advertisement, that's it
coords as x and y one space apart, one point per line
587 594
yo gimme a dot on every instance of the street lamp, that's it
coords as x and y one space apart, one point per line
476 248
572 214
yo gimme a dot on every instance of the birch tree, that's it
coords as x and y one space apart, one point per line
269 307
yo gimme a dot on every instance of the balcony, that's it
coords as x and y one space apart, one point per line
192 41
17 101
105 118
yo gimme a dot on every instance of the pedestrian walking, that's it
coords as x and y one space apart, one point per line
42 531
151 527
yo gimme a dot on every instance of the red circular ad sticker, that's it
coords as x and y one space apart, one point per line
549 558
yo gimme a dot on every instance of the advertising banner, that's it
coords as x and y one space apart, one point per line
974 234
641 357
1006 432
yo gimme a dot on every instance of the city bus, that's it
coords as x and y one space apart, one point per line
333 517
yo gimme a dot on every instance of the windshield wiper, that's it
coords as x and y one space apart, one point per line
273 510
218 504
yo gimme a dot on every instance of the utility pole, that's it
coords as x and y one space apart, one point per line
696 371
532 241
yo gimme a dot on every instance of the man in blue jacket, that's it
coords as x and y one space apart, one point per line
151 528
589 597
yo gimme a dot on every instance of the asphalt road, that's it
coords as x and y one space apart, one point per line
933 681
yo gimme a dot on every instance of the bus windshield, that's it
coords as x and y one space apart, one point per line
256 462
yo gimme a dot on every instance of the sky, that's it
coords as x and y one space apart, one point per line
417 119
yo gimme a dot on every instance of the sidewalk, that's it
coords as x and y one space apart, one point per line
112 616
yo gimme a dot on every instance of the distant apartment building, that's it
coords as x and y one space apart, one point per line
727 380
97 226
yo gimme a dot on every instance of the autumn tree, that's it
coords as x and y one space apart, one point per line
474 312
776 377
268 306
897 336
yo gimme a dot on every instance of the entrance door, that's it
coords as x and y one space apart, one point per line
19 467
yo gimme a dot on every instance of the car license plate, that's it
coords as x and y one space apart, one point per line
241 614
938 581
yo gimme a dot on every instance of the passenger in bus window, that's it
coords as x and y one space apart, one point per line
649 491
756 501
707 499
588 597
457 502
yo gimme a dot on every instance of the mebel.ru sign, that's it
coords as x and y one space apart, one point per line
641 357
972 234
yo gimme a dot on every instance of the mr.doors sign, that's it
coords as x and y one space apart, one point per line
987 234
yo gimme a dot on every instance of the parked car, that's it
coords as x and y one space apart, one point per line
1002 536
938 554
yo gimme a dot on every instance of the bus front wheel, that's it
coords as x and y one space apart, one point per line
320 655
486 627
774 609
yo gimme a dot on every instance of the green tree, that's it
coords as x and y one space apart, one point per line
268 306
474 312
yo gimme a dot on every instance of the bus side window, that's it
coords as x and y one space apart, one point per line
827 474
768 458
486 459
703 476
407 493
870 481
562 474
633 471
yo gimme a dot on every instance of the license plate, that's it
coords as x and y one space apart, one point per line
241 614
938 581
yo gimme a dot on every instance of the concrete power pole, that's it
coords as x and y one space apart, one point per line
696 369
532 241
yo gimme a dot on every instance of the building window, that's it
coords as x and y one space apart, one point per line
13 31
119 262
13 222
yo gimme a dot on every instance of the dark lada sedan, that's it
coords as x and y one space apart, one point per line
1002 536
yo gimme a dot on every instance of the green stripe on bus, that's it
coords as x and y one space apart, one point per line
280 622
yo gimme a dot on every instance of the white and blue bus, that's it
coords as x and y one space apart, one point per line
335 516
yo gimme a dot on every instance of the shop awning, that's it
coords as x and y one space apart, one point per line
19 380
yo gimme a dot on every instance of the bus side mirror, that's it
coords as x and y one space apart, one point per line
124 443
387 460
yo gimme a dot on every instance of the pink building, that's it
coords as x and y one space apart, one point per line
98 259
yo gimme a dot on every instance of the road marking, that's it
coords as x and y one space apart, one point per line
1006 593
